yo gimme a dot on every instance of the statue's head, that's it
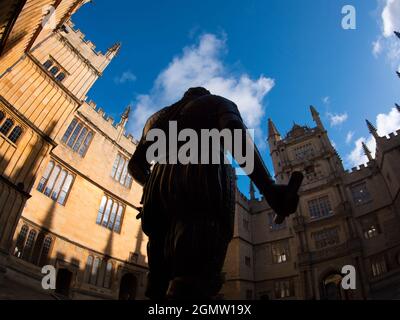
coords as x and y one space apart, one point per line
196 92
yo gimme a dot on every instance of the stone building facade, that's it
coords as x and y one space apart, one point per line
344 218
67 200
66 197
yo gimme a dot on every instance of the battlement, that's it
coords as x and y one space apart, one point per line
108 125
86 48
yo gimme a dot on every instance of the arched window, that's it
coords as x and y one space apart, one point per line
95 270
120 169
48 64
88 270
112 217
60 77
69 130
44 255
2 116
6 127
57 186
107 212
108 275
45 177
54 70
118 220
21 241
115 166
124 173
65 189
85 146
27 251
52 180
15 134
128 182
101 210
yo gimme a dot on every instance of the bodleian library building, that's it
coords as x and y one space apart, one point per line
67 199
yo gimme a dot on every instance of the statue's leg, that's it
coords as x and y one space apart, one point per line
198 249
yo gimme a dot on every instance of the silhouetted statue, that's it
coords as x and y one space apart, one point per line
188 209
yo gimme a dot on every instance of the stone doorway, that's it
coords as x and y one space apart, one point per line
127 288
63 282
331 287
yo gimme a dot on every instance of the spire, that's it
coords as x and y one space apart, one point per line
114 49
252 191
316 117
314 111
125 116
126 113
272 131
367 151
372 129
397 34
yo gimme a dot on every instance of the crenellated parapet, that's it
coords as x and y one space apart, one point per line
107 126
75 39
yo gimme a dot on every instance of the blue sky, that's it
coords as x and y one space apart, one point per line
273 58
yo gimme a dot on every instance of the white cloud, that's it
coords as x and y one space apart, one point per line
349 137
385 124
201 65
387 42
126 76
391 17
377 47
337 118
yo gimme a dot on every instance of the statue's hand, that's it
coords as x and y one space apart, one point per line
284 199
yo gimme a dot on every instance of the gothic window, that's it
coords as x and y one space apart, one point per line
280 252
284 289
360 194
54 70
378 266
110 214
95 270
46 176
44 255
27 251
69 130
77 137
85 146
56 182
48 64
2 116
272 225
370 226
74 135
320 207
6 127
108 275
88 270
60 77
21 241
79 141
304 151
15 134
119 171
325 238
